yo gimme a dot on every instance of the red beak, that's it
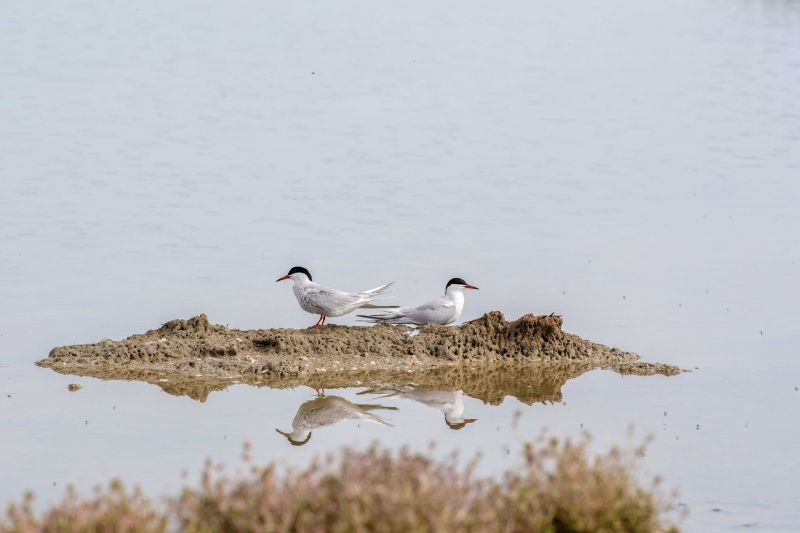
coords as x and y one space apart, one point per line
282 278
470 287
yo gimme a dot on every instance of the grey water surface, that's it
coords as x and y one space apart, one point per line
633 165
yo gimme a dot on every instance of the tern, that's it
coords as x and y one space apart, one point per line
451 403
325 302
444 310
328 410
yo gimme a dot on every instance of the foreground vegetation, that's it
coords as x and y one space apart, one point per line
557 487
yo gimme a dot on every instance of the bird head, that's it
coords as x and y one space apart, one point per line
295 439
296 274
458 284
458 424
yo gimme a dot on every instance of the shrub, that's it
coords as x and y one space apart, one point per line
558 487
113 509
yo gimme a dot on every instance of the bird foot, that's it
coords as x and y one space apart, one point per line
320 322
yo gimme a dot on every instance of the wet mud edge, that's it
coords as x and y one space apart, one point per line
192 357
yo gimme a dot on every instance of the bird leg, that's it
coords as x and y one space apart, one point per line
319 322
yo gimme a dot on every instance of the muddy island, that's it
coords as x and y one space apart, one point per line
532 356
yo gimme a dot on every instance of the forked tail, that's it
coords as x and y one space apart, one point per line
375 407
375 418
372 294
377 291
373 306
388 317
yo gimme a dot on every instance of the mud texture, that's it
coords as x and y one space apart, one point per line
529 358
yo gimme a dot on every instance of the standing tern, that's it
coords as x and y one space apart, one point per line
328 410
325 302
444 310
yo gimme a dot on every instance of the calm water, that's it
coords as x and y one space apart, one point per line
632 165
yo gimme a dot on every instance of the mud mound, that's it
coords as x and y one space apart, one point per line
201 352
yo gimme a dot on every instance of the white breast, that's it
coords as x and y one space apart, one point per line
458 300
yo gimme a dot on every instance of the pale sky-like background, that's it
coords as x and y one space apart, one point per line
632 165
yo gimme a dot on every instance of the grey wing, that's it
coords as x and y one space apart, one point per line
324 412
431 398
323 300
439 311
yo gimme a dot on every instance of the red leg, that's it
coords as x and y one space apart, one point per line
324 318
319 322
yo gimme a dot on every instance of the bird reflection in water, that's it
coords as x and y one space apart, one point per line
328 410
451 403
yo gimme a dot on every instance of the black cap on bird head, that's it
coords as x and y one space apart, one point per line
299 270
459 425
292 441
459 281
296 270
455 281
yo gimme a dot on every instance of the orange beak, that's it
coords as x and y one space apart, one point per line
470 287
282 278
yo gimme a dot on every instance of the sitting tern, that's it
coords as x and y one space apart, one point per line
444 310
325 302
451 403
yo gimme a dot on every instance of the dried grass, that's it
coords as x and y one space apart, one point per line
559 486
